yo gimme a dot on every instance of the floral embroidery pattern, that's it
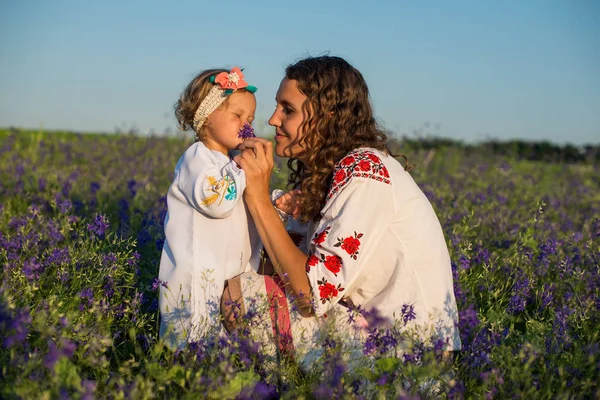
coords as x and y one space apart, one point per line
328 291
220 188
361 163
332 263
320 237
350 244
311 262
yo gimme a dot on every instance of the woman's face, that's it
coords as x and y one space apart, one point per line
287 119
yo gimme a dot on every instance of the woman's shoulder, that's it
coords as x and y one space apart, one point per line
364 162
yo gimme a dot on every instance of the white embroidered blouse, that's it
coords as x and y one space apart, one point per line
379 244
209 237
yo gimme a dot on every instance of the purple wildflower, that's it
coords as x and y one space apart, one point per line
596 227
516 304
134 259
59 256
264 391
94 186
374 318
66 349
547 295
468 321
464 262
109 259
408 313
32 268
18 326
518 301
98 226
156 283
87 295
63 276
90 389
246 132
41 184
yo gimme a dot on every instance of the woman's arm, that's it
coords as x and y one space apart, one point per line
289 262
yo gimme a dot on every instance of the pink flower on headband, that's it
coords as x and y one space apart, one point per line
233 80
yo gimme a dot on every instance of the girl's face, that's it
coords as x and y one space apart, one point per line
225 122
287 119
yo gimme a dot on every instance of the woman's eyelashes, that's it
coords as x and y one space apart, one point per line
285 108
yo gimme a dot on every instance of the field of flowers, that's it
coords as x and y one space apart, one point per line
80 239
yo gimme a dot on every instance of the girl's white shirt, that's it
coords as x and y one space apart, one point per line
209 237
379 244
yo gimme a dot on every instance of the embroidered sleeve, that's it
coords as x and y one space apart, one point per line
212 190
358 212
361 164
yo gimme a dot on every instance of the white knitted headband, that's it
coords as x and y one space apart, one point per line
225 84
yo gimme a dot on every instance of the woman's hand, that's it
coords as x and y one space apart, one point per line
256 160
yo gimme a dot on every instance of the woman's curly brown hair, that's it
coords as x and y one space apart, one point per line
340 119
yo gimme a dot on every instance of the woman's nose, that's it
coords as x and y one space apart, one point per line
274 120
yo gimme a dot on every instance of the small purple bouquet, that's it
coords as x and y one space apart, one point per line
246 132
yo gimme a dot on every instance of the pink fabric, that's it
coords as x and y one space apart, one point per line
280 316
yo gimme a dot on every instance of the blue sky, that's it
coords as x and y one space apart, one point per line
469 70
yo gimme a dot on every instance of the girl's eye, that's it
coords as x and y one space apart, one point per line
288 110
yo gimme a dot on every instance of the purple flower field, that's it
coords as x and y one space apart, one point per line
80 238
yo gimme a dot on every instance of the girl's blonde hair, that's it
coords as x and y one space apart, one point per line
190 99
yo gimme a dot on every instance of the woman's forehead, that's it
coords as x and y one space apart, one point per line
289 92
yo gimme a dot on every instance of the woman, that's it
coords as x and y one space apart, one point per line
374 240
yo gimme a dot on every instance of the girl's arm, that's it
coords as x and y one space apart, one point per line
210 189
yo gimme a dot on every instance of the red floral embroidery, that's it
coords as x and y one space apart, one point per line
362 163
374 158
320 237
349 160
328 291
312 261
333 263
339 176
350 244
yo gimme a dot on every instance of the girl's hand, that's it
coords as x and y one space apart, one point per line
289 203
256 160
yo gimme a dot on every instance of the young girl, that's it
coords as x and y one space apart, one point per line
209 235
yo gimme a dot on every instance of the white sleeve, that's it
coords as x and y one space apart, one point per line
211 189
354 220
